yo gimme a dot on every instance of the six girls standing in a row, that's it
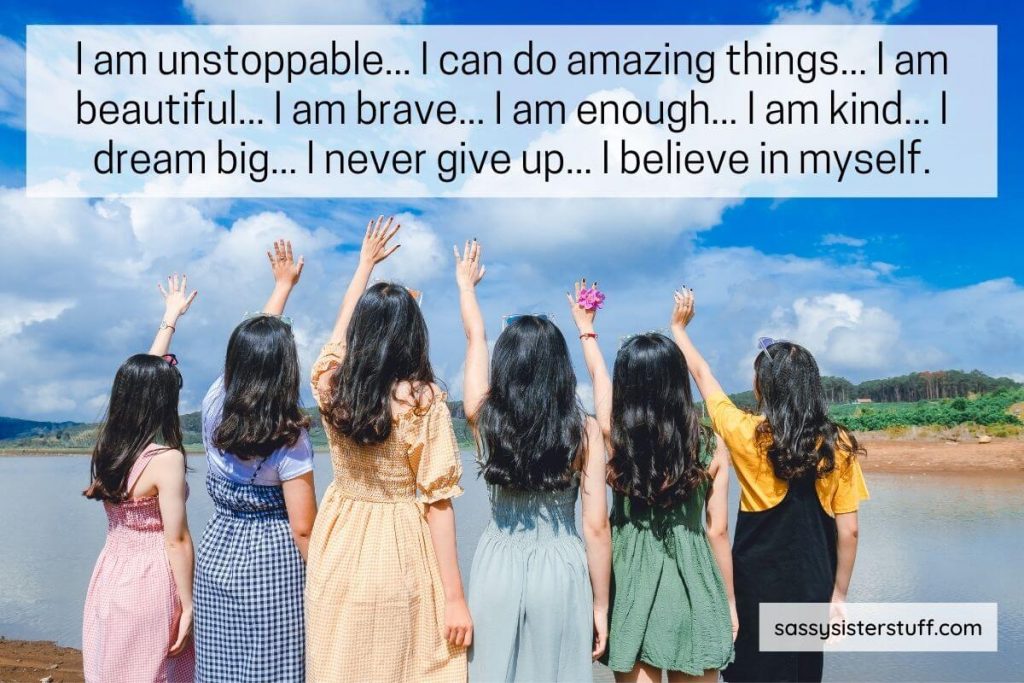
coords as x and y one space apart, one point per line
371 589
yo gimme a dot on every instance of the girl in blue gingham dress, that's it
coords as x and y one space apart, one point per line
249 572
251 564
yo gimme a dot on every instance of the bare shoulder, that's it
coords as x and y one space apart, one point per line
169 461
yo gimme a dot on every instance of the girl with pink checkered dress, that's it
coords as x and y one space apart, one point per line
138 612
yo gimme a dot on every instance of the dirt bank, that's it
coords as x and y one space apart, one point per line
23 661
936 455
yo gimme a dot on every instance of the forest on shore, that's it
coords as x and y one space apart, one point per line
940 399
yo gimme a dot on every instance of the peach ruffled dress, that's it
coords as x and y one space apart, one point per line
374 599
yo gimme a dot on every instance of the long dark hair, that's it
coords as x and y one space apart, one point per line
797 434
657 436
387 343
261 390
143 408
530 428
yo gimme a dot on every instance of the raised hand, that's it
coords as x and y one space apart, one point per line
468 269
176 297
375 243
286 269
583 317
684 309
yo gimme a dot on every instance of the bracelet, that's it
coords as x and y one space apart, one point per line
589 335
164 325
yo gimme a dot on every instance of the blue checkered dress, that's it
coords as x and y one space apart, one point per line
248 588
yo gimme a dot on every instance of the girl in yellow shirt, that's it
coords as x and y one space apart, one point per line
801 484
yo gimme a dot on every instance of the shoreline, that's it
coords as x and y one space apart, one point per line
32 661
920 455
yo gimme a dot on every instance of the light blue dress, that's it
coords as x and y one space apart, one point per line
529 591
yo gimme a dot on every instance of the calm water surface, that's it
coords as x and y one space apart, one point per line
923 539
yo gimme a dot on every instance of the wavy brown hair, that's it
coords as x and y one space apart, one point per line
386 343
657 437
261 390
797 434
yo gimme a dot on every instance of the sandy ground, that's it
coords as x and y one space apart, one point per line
34 661
922 456
39 661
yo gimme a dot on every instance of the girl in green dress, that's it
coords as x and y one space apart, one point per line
672 604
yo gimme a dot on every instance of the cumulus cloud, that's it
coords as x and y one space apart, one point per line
18 313
79 291
306 11
845 333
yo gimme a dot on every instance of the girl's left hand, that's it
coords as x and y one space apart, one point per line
176 296
458 624
286 269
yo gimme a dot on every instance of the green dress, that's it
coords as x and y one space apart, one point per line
668 603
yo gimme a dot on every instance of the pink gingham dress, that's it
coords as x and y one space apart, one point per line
132 608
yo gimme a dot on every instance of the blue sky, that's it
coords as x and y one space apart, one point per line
873 287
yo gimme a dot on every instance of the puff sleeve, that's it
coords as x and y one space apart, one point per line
329 359
434 453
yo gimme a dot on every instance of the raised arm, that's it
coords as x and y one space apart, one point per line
374 250
468 273
583 314
287 272
682 314
176 303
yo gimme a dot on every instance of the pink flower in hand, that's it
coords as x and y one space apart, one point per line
591 298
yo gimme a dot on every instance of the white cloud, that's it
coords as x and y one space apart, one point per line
843 332
17 313
306 11
421 257
12 83
833 238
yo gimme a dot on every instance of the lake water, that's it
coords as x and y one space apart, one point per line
923 539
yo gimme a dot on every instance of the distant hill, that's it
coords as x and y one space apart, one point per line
13 428
917 386
56 436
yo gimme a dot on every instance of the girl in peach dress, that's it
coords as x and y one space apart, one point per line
384 598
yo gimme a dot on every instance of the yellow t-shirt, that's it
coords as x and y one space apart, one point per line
840 491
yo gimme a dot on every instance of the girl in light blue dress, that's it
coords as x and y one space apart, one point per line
538 592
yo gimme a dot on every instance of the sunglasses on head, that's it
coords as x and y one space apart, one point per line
765 343
514 317
630 337
172 360
260 314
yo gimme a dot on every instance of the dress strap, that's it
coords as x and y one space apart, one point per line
145 457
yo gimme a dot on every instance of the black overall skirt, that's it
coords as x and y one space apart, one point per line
786 553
